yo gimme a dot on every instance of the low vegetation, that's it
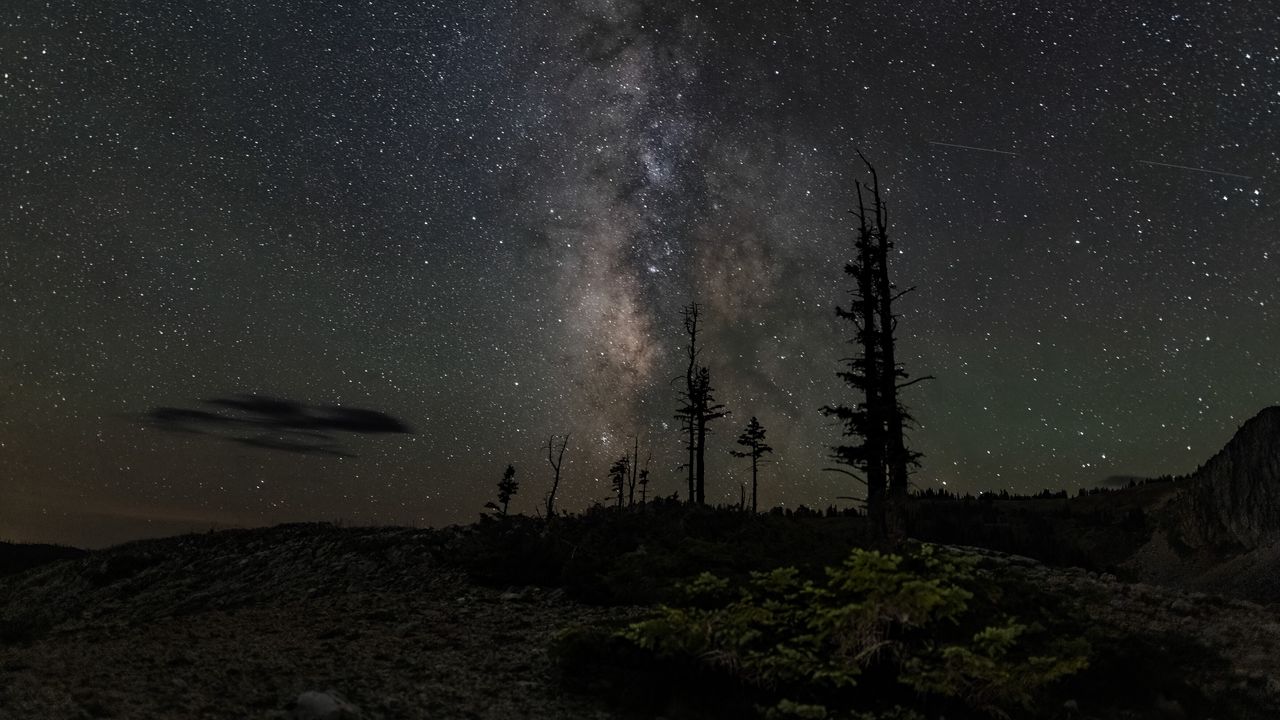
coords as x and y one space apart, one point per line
641 556
776 616
880 636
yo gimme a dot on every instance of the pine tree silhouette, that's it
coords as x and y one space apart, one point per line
508 486
706 409
752 438
618 473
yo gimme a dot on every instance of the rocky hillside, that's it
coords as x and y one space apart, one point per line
1216 530
306 621
1219 528
315 621
1233 500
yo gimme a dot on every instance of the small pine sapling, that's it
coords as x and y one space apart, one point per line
508 486
752 438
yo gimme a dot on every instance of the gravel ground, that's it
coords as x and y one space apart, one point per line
240 624
458 652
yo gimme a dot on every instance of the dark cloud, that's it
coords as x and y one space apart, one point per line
302 448
283 424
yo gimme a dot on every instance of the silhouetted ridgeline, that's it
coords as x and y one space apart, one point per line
16 557
1096 532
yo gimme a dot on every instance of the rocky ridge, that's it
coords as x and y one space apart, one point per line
1218 529
1233 500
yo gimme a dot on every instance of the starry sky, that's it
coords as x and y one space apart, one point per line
482 219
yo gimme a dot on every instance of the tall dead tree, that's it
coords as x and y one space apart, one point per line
686 413
898 458
635 470
707 410
698 408
555 458
863 420
878 421
643 479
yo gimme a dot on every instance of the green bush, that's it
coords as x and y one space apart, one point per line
882 632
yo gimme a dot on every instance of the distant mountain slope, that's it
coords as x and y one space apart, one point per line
1219 530
1215 530
1233 500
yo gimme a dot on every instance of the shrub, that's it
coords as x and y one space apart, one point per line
640 557
882 632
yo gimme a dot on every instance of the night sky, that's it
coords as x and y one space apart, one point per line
482 219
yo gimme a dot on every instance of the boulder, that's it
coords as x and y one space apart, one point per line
314 705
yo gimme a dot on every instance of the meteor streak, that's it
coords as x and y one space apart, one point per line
1196 169
970 147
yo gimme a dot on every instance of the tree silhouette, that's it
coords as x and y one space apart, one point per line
555 457
637 474
863 420
686 413
752 438
508 486
644 483
618 473
706 409
632 475
879 420
698 407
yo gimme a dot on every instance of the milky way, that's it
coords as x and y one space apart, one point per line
483 218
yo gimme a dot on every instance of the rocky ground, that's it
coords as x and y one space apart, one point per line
1227 648
244 624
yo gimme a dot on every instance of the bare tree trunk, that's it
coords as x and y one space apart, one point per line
894 446
753 481
700 487
555 466
897 458
644 478
871 367
690 378
635 469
